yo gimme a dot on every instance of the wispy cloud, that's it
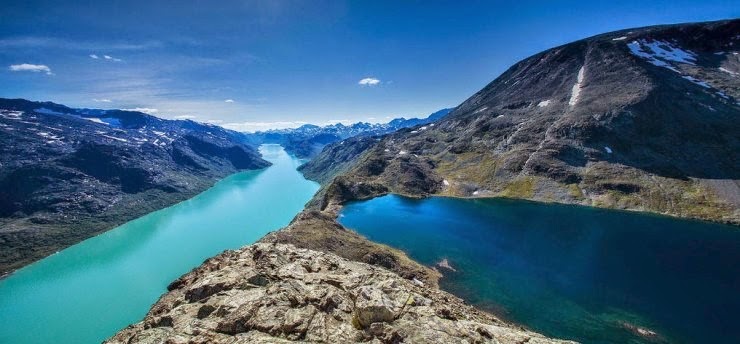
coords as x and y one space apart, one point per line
69 44
258 126
185 117
111 58
144 110
101 100
338 121
229 101
214 121
94 56
27 67
369 81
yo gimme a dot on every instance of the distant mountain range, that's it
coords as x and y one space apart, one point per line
67 174
308 140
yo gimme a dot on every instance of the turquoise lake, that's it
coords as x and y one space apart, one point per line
572 272
86 293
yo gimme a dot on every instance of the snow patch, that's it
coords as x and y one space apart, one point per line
543 103
708 107
93 119
164 136
619 38
728 71
576 92
661 53
696 81
445 182
608 150
11 114
481 109
403 152
114 138
113 122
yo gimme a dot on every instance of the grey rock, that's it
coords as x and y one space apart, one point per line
310 297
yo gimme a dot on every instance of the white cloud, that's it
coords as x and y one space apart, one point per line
337 121
185 117
69 44
259 126
144 110
94 56
229 101
111 58
214 121
101 100
27 67
369 81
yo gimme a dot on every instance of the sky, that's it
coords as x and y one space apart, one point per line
255 65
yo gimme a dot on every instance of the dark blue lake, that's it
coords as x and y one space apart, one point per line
591 275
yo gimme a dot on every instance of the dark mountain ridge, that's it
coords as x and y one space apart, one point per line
67 174
642 119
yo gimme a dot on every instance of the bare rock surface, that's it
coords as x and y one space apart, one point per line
276 293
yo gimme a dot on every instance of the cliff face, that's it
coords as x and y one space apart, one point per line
268 293
67 174
644 119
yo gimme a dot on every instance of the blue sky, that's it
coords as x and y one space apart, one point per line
259 64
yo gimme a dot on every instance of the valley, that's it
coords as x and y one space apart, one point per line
589 193
111 280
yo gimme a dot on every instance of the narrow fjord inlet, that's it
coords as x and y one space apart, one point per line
595 276
87 292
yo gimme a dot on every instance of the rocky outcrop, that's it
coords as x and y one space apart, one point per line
275 293
319 230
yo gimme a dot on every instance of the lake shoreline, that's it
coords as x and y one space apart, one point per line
689 232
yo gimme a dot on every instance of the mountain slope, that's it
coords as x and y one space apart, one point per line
644 119
308 140
67 174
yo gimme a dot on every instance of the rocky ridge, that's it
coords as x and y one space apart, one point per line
641 119
273 293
